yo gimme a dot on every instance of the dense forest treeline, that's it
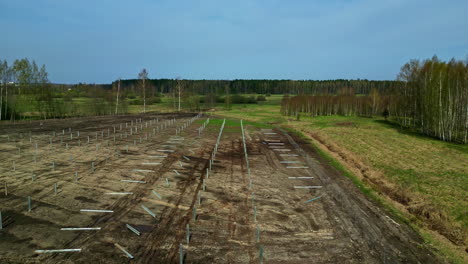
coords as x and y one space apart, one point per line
432 97
203 87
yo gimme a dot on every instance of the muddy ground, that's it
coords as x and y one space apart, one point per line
234 218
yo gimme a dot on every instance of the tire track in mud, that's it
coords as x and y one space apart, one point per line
163 241
174 220
343 226
226 230
246 202
229 174
232 214
366 229
240 213
55 176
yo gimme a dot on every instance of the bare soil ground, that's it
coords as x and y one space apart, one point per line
231 221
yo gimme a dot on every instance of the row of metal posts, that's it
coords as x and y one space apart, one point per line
188 123
199 196
257 231
203 126
178 130
215 150
168 122
207 173
54 134
194 210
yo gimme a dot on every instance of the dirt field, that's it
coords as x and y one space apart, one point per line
231 221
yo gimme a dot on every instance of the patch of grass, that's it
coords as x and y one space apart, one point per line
256 124
445 251
257 113
231 126
234 122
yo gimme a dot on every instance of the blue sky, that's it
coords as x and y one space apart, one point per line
99 41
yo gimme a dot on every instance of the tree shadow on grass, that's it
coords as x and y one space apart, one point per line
417 134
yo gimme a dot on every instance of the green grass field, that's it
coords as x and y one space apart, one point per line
82 106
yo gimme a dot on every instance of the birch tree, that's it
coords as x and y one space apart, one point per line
179 91
44 93
227 98
143 76
23 73
3 83
117 99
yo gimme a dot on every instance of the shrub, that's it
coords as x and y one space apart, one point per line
68 97
385 113
153 100
237 99
240 99
251 100
220 99
211 97
136 102
131 95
